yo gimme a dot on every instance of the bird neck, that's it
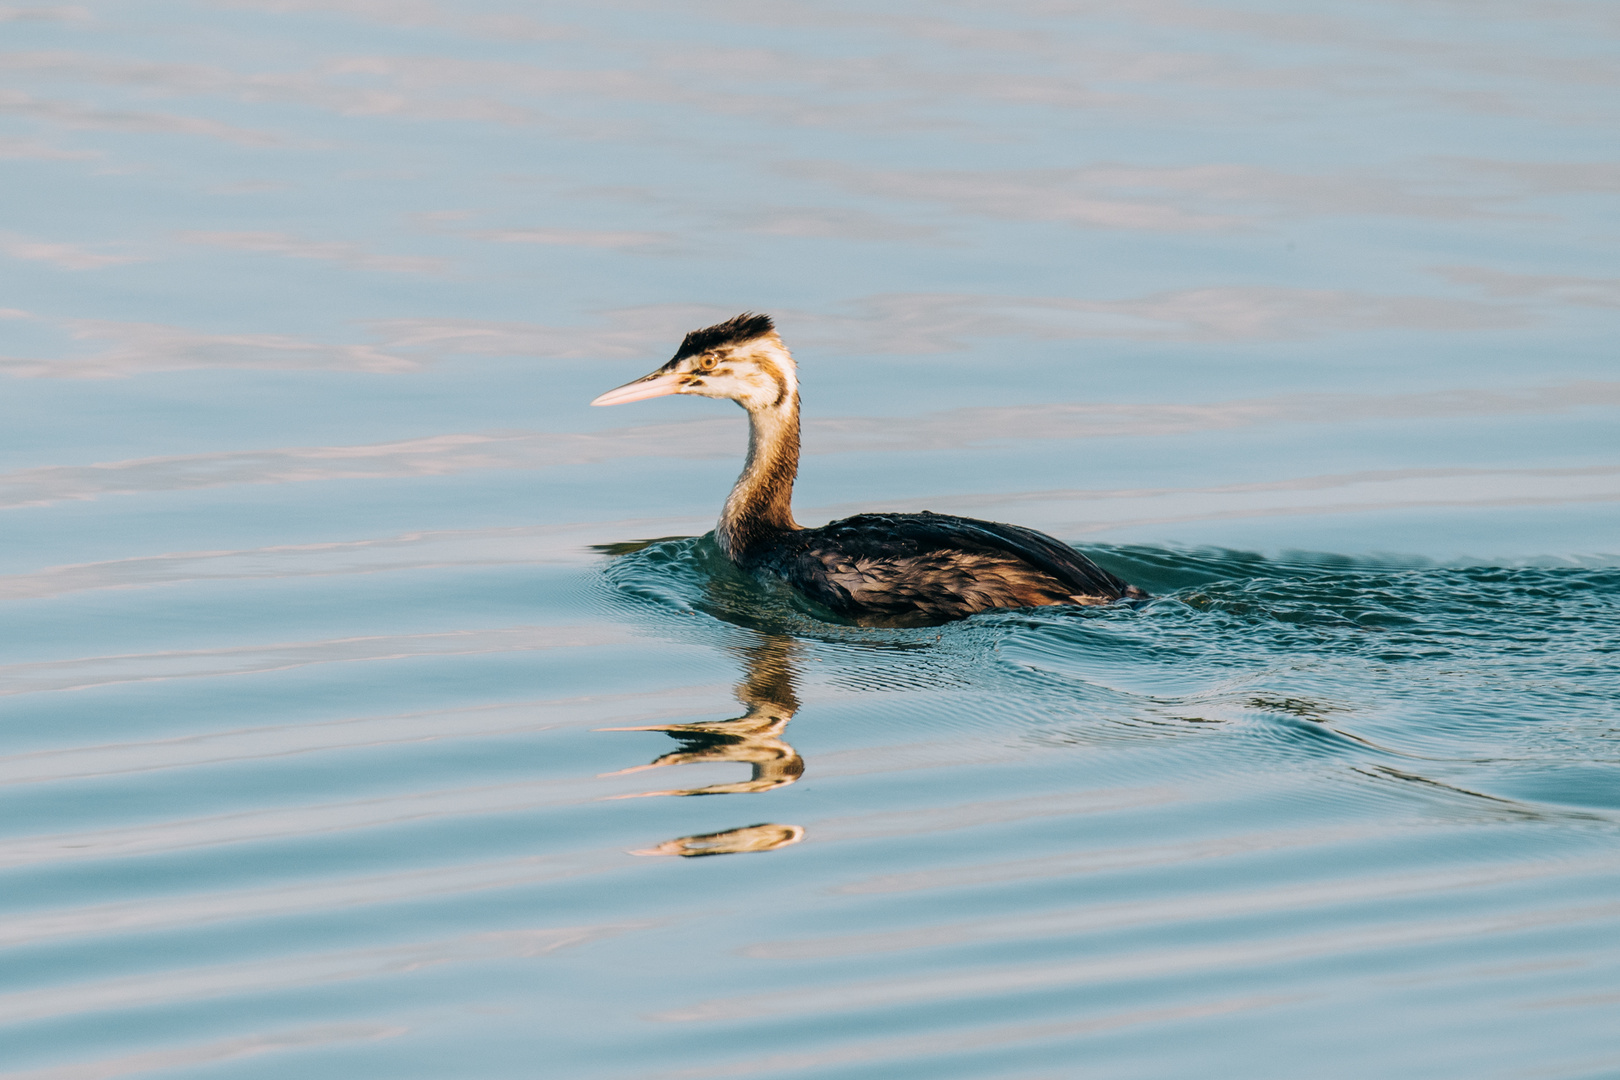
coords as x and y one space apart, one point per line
761 504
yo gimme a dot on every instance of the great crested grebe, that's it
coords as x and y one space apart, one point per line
894 569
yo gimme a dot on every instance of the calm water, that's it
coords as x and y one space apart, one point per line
354 670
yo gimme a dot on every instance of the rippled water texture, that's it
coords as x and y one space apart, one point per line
372 709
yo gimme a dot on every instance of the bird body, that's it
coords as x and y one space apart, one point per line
893 569
928 567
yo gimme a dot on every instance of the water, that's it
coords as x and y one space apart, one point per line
355 672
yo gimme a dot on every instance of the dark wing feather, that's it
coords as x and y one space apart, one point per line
935 566
1044 553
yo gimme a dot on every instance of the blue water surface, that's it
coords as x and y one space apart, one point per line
370 708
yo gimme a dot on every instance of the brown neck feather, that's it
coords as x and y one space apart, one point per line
761 504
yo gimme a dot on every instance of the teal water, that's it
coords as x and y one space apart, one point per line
372 708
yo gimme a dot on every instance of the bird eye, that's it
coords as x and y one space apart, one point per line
706 362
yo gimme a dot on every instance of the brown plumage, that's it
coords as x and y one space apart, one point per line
891 569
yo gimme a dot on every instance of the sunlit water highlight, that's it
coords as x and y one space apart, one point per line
371 708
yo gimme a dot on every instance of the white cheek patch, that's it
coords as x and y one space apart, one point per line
775 382
757 376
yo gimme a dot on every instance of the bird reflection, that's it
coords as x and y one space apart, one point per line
755 737
766 837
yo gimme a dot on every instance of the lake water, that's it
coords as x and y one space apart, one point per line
355 672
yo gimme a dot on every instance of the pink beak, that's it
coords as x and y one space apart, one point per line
657 384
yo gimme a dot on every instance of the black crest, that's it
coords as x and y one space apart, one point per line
735 331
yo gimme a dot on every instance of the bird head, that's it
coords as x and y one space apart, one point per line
741 359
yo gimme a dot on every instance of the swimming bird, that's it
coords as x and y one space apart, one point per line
874 569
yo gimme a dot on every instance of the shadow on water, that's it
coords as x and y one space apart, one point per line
1468 681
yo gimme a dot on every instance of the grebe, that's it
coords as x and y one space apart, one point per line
890 569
